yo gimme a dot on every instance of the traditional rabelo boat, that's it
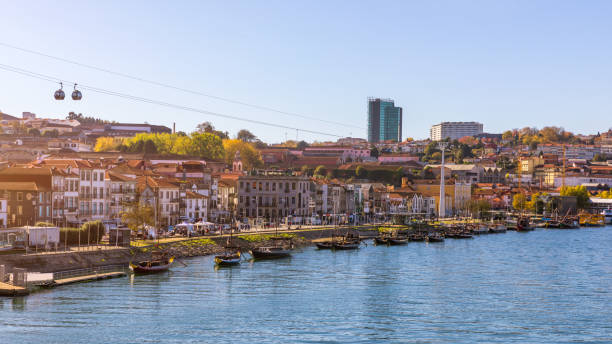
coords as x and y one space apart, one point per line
523 225
160 264
417 237
498 228
277 250
232 253
228 259
435 237
348 242
325 245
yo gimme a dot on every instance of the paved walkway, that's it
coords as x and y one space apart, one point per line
11 290
87 278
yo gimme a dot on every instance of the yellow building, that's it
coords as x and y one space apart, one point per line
458 194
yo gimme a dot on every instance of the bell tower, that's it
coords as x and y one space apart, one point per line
237 166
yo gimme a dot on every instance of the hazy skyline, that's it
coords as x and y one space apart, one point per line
505 64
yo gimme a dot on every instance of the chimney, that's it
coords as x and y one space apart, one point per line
174 127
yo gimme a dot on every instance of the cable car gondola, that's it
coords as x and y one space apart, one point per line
59 94
76 94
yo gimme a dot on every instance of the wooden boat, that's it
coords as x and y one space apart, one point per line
346 245
435 237
417 237
480 229
399 240
270 252
500 228
326 245
463 235
152 266
592 220
522 225
381 240
228 259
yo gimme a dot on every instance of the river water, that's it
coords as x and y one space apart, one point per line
546 286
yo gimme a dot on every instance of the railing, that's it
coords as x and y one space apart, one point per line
89 271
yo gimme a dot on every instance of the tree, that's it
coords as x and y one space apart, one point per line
305 169
302 145
136 216
51 133
320 170
600 157
107 144
437 156
251 158
519 201
33 132
478 207
246 136
206 146
361 172
580 192
374 153
207 127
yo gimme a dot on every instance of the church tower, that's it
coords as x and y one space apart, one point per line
237 166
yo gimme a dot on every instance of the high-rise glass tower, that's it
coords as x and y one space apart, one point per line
384 120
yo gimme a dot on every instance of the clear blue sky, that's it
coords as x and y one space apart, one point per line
507 64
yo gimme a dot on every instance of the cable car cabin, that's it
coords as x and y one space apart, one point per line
59 94
76 95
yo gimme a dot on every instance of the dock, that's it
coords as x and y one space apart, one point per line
88 278
11 290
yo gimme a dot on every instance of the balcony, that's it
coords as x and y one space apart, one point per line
85 196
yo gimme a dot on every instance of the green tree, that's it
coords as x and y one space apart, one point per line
519 201
246 136
206 146
136 216
320 171
374 153
361 172
600 157
250 156
580 192
33 132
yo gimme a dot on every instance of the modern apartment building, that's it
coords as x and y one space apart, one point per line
454 130
384 120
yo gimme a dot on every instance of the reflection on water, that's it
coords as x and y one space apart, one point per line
546 286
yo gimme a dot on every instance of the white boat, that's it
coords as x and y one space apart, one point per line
607 213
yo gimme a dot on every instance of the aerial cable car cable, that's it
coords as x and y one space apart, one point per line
161 84
155 102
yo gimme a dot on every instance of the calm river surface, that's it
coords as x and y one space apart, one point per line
546 286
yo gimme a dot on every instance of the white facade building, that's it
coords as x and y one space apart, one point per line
454 130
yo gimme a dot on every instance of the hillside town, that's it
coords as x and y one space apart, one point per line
78 169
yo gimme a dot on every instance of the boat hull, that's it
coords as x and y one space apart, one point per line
259 254
143 268
396 242
324 245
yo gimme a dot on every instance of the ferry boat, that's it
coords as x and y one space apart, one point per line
607 213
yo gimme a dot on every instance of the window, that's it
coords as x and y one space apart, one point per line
48 211
40 211
95 177
19 210
292 186
20 196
